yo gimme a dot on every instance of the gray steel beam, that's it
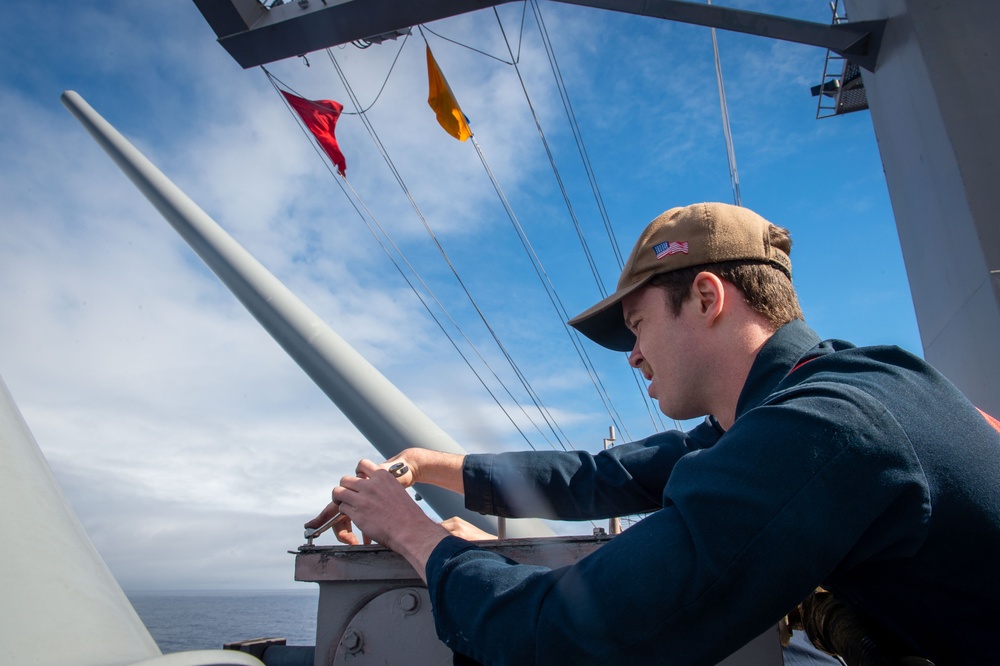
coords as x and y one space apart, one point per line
386 417
297 28
232 16
858 42
292 29
934 104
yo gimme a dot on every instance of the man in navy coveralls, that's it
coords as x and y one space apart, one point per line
861 470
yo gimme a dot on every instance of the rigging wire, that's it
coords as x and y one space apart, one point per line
341 183
588 364
536 400
550 290
520 36
581 148
457 327
539 269
488 55
379 94
577 135
555 170
734 177
464 46
547 283
734 180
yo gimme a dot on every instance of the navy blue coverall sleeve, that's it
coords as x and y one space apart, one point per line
748 528
576 485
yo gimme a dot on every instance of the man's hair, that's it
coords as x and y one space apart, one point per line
767 289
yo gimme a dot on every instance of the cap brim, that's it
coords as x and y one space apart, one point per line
604 323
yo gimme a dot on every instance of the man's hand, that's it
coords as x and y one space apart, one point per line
341 527
433 467
377 503
341 523
463 529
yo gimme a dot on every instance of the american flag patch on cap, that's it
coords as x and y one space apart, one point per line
670 247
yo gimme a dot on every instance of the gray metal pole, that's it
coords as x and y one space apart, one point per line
386 417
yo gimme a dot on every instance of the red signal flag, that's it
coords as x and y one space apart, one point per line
320 116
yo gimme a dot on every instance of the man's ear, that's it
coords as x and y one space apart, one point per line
709 294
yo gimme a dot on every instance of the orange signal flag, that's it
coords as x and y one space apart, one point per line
442 100
320 116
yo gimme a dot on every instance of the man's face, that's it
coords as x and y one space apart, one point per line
666 351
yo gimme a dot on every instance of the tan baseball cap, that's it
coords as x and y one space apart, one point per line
694 235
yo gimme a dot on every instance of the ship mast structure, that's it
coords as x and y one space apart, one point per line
932 79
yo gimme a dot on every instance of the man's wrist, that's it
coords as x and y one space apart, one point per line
438 468
418 542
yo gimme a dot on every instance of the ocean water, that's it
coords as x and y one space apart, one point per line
205 620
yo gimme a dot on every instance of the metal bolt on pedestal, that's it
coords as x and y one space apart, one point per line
409 602
353 642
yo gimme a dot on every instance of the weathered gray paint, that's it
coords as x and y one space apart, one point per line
934 100
367 613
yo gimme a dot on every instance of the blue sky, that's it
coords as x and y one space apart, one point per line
191 447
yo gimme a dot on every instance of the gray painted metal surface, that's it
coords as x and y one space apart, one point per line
934 102
858 41
373 608
386 417
254 36
59 603
294 29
